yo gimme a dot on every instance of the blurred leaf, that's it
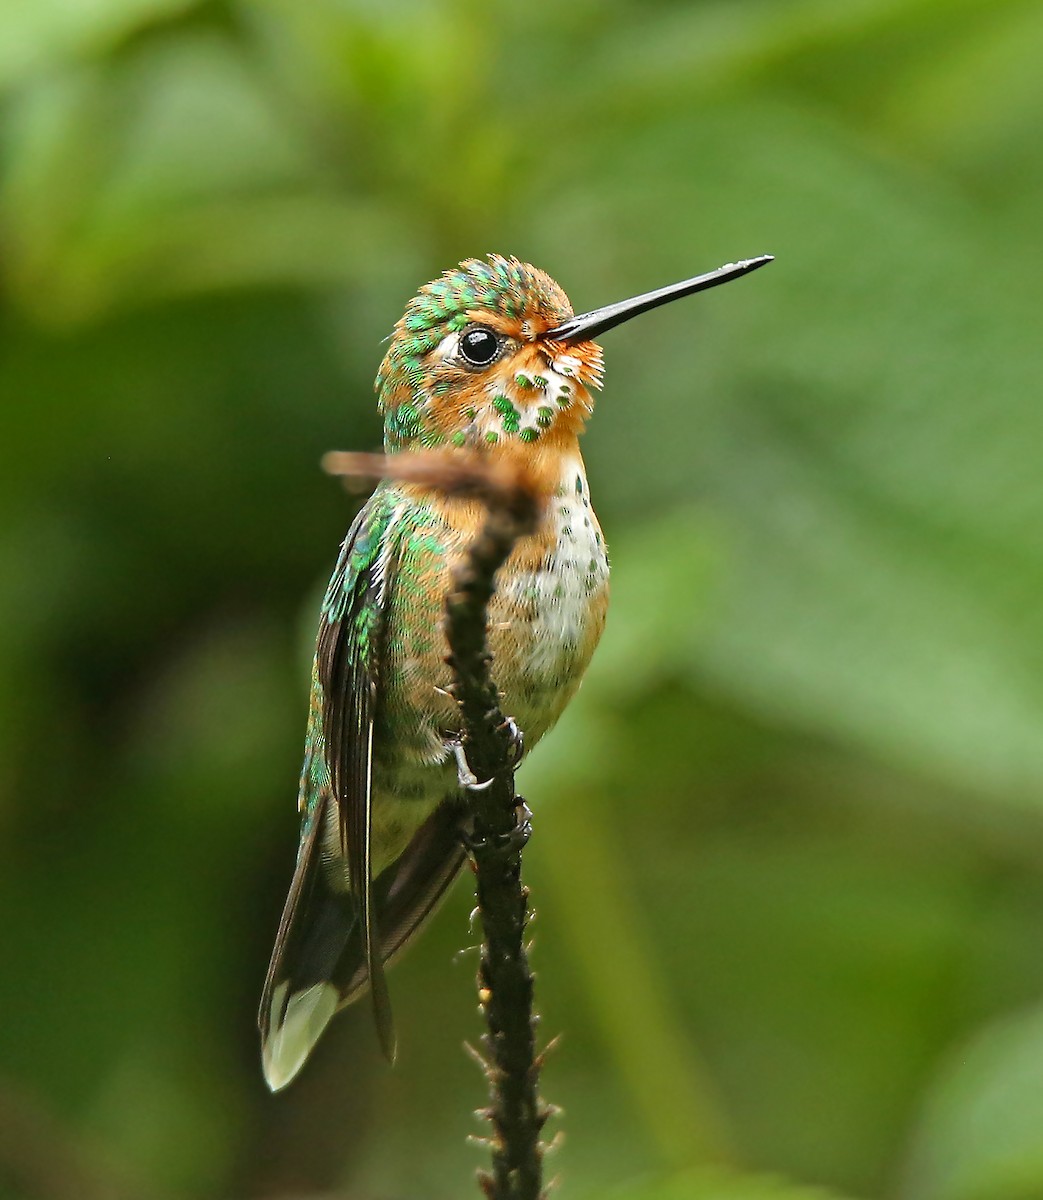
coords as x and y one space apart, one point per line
42 34
715 1185
979 1136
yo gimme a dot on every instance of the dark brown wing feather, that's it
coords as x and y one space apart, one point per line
406 893
349 691
320 918
293 930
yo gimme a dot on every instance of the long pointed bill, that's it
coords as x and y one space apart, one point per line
592 324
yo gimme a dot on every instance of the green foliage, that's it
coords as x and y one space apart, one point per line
787 862
980 1136
716 1185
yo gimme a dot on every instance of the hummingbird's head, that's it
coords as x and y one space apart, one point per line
471 363
490 354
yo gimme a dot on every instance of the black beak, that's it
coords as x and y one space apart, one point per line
592 324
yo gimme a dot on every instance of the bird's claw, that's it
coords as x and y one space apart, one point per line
516 744
522 830
510 842
464 775
515 749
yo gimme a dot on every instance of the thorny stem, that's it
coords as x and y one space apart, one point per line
497 834
505 982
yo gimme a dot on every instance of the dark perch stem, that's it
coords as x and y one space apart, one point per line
496 834
504 979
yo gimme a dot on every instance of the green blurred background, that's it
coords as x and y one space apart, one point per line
788 862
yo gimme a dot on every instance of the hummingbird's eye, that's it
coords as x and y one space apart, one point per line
479 346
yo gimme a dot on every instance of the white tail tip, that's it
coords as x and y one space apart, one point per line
290 1039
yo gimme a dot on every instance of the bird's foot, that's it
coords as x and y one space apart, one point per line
516 748
522 831
510 842
467 779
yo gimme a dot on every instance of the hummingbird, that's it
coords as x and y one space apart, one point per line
487 359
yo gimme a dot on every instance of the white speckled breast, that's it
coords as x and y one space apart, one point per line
546 622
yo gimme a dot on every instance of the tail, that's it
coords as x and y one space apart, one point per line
319 962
